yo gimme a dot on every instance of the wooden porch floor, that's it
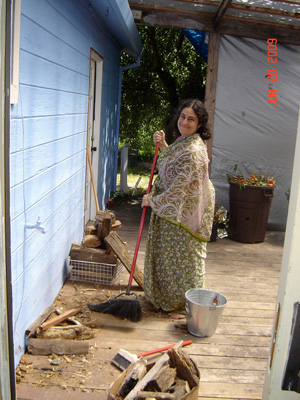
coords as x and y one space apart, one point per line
232 362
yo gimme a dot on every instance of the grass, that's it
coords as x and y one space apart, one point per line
133 176
132 179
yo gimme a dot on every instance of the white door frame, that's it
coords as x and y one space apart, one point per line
7 377
288 294
93 132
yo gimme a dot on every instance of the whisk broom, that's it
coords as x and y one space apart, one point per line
126 305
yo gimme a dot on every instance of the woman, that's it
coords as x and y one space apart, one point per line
182 201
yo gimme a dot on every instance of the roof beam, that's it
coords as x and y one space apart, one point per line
211 84
221 11
264 10
202 21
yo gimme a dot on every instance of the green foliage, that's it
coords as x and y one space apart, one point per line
170 71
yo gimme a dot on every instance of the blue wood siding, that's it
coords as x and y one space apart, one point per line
48 139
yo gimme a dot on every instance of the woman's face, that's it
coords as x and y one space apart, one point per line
188 122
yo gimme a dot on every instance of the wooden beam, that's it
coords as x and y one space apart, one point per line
178 5
213 2
221 11
59 318
265 10
259 30
287 1
57 346
228 25
120 248
211 84
78 252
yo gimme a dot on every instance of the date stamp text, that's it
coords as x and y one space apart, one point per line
272 73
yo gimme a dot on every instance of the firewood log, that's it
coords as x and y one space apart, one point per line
186 368
135 372
163 380
101 214
116 225
142 395
180 389
69 332
79 252
57 346
90 230
91 241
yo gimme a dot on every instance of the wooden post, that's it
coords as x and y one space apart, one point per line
211 84
92 178
124 167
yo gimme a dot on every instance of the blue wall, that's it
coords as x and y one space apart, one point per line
48 139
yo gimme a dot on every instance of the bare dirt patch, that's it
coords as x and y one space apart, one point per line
91 372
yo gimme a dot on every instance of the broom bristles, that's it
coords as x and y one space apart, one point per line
121 308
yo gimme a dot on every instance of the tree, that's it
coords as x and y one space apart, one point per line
170 70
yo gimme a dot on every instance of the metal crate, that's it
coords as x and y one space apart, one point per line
103 274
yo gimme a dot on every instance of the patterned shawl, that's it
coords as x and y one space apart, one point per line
182 193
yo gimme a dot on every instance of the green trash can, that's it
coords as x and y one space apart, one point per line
249 212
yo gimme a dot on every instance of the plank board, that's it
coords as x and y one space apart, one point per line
114 241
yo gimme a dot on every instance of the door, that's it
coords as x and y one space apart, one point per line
93 134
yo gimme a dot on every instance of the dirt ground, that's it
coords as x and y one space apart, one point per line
69 370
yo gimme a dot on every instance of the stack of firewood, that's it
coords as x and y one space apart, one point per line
173 377
105 222
102 245
93 247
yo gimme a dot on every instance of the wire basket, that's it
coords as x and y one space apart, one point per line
103 274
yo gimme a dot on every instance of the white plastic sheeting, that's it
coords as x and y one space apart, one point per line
248 130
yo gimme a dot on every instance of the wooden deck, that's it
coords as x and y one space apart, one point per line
232 362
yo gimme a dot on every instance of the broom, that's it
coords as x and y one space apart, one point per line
126 305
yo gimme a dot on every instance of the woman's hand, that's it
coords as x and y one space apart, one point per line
145 201
160 137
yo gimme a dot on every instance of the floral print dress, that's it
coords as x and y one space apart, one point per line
182 201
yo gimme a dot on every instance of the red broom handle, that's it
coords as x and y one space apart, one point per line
142 222
148 353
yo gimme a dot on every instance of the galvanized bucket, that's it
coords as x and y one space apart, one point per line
203 311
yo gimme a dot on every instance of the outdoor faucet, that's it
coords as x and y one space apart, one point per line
38 225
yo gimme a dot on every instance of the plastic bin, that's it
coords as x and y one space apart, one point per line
249 213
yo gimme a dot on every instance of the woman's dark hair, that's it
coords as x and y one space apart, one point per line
198 107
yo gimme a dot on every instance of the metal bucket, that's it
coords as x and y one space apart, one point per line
203 311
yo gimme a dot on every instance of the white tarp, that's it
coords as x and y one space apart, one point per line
248 130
